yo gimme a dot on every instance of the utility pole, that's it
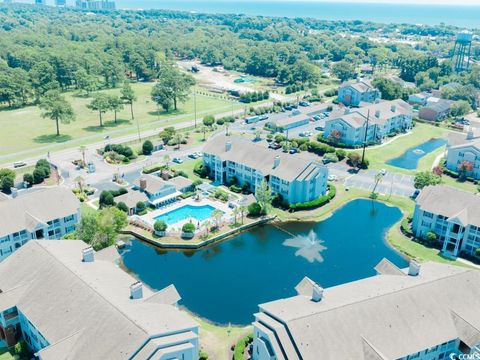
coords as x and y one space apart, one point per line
365 138
195 105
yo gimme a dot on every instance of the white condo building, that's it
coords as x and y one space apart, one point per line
69 302
384 119
44 214
427 312
296 178
462 149
452 214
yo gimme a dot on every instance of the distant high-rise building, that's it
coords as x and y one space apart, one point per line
95 4
40 2
6 2
60 2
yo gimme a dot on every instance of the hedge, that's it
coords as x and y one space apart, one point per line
317 202
241 346
153 168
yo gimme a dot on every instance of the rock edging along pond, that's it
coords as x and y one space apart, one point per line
225 282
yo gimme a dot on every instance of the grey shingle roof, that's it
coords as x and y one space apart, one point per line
384 316
25 211
451 202
244 151
83 309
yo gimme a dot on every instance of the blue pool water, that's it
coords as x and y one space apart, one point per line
226 282
409 159
199 213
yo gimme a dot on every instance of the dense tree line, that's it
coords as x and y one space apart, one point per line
45 49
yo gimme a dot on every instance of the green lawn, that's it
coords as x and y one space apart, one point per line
421 133
25 130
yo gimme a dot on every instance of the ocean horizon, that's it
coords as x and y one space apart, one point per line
467 16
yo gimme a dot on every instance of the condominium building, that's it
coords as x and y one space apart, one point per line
452 214
69 302
158 191
427 312
44 214
384 119
95 4
356 92
297 178
464 150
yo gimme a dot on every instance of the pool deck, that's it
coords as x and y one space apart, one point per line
176 227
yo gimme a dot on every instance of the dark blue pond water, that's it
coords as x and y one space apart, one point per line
409 159
225 283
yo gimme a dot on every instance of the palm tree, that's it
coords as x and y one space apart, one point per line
178 139
204 130
206 223
217 215
235 212
82 150
243 210
166 160
79 181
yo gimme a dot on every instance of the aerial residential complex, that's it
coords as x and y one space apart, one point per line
426 311
296 178
452 214
44 214
384 119
461 149
66 301
357 92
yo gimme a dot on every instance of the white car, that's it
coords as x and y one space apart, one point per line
332 177
383 172
177 160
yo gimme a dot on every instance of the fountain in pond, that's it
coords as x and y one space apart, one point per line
418 152
309 246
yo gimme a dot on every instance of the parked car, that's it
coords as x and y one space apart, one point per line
305 134
193 156
304 103
288 107
18 164
332 177
275 146
293 151
263 117
316 118
319 128
383 172
177 160
199 154
415 194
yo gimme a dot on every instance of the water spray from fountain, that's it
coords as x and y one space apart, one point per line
309 246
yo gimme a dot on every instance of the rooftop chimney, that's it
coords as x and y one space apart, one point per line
143 183
228 146
393 108
414 268
276 161
377 114
136 290
88 255
317 293
347 110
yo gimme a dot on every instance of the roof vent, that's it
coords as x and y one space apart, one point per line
276 161
347 110
88 255
317 293
377 114
228 146
414 268
393 108
136 290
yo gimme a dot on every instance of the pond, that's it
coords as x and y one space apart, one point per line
225 283
409 159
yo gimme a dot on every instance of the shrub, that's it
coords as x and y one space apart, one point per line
331 157
331 92
141 207
221 195
254 209
477 252
28 178
406 226
153 168
201 170
241 346
160 225
6 184
431 238
106 199
38 175
122 206
208 120
188 228
341 154
322 200
235 188
202 356
147 147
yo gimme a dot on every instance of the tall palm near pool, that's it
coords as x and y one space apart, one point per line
217 215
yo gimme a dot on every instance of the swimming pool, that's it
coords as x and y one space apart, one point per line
199 213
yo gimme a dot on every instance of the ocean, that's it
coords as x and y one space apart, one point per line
467 16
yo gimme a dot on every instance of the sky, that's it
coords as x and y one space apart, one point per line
422 2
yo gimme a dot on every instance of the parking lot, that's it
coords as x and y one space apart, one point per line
392 183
